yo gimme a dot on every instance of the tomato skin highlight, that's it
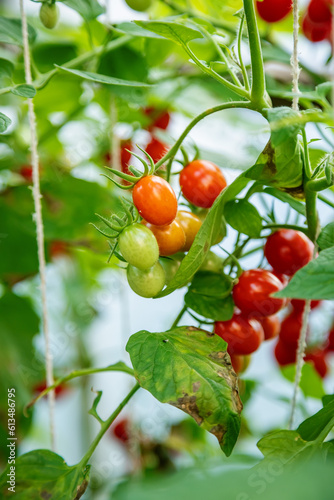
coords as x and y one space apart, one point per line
273 11
284 354
271 326
171 238
243 335
252 293
288 250
148 282
155 200
190 224
201 182
138 246
156 149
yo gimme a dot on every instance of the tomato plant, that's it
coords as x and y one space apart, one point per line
179 155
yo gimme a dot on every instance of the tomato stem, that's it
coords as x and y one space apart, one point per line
178 317
241 62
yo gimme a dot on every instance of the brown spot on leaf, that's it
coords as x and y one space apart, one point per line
46 495
188 404
296 192
219 431
81 489
196 386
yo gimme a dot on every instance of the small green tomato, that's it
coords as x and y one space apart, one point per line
139 5
48 14
138 246
146 283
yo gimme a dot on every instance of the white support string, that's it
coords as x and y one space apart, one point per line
39 223
294 57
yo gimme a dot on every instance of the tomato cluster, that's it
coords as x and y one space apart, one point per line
255 318
317 20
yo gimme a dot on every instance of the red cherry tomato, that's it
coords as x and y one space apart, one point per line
284 354
155 200
283 279
271 326
156 149
298 305
290 328
171 239
243 335
272 11
26 172
252 293
160 118
330 341
316 32
59 390
121 430
320 11
239 363
317 358
201 182
288 250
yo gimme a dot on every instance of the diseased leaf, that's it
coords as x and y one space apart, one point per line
191 370
24 90
5 121
298 206
283 133
42 474
326 237
313 281
107 80
205 237
11 31
243 217
173 31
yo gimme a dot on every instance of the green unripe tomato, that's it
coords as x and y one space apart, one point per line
212 263
48 14
146 283
138 246
171 267
139 5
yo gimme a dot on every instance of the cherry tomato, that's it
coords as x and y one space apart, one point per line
291 327
139 5
58 248
320 11
201 182
284 354
160 118
171 267
283 279
121 430
242 335
317 358
191 224
155 200
287 251
316 32
60 390
239 363
26 172
138 246
212 263
271 326
330 341
298 305
146 282
48 14
272 11
252 293
171 239
156 149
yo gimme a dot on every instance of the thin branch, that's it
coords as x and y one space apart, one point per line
39 225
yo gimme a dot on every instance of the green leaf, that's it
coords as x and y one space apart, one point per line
312 427
5 121
88 9
108 80
6 68
11 31
298 206
24 90
310 383
326 237
136 30
173 31
243 217
205 237
281 444
42 474
211 284
313 281
190 369
283 133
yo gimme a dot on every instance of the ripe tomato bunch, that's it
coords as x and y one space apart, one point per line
317 20
255 318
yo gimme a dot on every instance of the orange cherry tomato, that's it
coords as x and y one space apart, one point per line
155 200
171 239
191 225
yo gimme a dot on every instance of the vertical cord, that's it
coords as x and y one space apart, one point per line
294 57
39 224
